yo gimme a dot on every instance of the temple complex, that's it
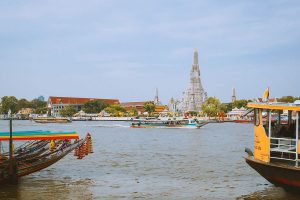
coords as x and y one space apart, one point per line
195 95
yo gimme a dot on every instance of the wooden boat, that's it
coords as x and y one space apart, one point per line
52 120
276 144
185 123
37 155
243 121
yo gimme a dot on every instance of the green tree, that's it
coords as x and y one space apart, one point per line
41 110
67 111
115 110
133 112
9 102
211 107
40 107
149 107
38 104
240 103
192 113
226 107
24 103
94 106
288 99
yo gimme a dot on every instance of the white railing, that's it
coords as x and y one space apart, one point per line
285 146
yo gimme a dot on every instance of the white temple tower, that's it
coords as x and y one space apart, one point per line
233 97
195 95
156 98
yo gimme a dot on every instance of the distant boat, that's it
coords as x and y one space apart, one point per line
243 121
184 123
52 120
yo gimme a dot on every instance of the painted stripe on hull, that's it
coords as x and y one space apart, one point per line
286 176
284 181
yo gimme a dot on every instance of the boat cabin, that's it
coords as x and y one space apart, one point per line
276 132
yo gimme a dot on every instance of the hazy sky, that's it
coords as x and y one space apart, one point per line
125 49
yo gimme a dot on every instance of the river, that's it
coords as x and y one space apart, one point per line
159 163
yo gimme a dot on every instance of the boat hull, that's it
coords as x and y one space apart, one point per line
243 121
52 120
281 175
166 126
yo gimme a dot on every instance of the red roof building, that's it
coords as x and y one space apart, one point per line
139 106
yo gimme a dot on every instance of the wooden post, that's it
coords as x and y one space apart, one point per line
10 142
13 178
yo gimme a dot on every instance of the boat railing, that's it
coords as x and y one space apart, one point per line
284 148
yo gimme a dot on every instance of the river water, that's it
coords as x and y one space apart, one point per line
159 163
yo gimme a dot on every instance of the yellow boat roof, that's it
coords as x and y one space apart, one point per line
275 106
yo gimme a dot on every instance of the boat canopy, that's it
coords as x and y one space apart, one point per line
39 135
275 106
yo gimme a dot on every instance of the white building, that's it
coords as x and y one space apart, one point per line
236 113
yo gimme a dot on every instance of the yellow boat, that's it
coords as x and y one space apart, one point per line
276 143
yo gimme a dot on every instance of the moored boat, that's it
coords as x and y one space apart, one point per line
44 149
276 144
52 120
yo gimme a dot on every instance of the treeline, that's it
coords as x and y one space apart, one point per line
288 99
40 107
212 107
15 105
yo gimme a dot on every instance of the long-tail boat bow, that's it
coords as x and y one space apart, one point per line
42 149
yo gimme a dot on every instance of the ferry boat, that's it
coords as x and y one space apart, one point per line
52 120
184 123
276 143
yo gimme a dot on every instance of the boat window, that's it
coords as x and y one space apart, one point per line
256 117
281 127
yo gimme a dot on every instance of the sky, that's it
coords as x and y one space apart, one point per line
127 49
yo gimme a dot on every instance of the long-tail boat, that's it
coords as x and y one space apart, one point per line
45 120
184 123
42 149
276 143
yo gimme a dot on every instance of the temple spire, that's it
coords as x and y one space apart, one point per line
195 57
195 66
156 98
233 97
